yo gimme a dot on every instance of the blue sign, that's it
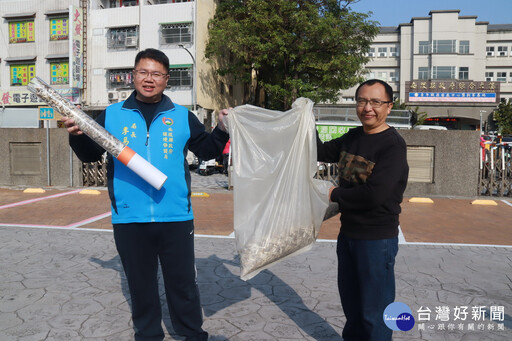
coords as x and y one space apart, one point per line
452 97
46 113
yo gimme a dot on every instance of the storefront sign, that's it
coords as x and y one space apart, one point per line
327 132
76 47
26 98
452 91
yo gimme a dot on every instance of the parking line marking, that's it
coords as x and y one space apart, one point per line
30 201
89 220
75 225
506 202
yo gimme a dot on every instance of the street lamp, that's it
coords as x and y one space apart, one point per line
193 77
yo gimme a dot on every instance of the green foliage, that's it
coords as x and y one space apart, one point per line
419 117
289 49
503 117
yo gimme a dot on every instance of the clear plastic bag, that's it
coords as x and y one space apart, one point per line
278 205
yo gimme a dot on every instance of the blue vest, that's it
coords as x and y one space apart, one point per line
165 146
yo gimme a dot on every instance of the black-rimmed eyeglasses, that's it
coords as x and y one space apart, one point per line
375 103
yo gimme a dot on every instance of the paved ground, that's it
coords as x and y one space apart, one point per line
61 279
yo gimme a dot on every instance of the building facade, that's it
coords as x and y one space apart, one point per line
36 40
451 67
118 30
86 49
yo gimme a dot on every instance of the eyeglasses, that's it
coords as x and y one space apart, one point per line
158 76
375 103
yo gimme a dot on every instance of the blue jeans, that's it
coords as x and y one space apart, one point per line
366 282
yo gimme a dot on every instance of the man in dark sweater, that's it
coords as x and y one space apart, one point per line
373 177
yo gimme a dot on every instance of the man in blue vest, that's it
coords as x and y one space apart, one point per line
152 226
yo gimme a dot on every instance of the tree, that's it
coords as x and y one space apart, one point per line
287 49
418 117
503 117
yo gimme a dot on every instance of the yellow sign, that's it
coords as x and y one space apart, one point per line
200 194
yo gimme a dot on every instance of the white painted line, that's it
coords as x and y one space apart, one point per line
401 237
65 227
229 237
506 202
90 220
30 201
213 236
451 244
55 227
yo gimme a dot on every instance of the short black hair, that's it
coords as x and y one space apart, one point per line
154 54
387 87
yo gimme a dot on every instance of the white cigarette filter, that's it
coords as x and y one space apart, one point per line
142 168
98 134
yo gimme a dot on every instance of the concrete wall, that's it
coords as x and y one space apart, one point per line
60 155
456 162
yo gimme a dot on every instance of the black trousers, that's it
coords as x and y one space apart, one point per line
141 246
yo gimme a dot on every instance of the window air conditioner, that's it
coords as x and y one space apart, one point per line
124 94
112 95
130 42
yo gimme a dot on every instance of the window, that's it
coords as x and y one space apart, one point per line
180 76
383 51
393 52
423 73
383 76
501 76
176 33
394 76
443 46
371 53
22 74
120 78
464 47
21 31
443 72
424 47
59 29
59 72
170 1
489 76
502 51
370 75
464 73
489 51
123 37
511 77
127 3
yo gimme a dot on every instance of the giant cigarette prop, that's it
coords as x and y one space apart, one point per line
98 134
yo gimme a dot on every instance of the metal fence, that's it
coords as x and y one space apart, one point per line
495 176
94 174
